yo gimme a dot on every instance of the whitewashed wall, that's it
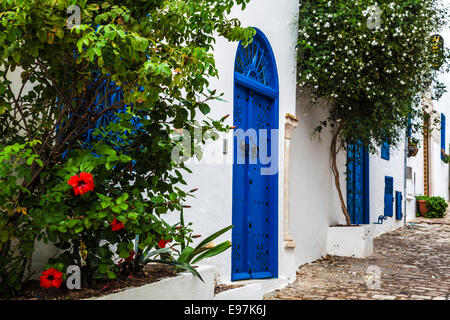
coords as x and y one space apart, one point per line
379 169
314 200
440 170
212 208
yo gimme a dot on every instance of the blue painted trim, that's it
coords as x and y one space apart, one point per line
358 178
409 126
255 85
443 146
398 205
273 233
366 187
388 196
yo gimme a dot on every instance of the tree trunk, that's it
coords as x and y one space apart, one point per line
334 152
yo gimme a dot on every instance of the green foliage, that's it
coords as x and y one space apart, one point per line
152 52
374 78
15 163
437 207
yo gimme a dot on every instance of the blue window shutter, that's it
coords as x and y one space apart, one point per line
409 126
398 205
385 150
388 196
443 148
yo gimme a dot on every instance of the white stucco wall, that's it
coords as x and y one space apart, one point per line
379 169
440 170
212 208
314 202
415 186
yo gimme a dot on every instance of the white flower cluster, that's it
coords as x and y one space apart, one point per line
354 58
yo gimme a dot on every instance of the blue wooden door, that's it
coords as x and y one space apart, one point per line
388 196
255 195
358 184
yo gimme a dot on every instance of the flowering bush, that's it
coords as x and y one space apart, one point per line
373 61
102 99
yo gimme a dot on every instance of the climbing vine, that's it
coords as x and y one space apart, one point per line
372 61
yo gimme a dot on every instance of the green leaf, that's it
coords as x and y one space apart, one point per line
87 223
181 265
42 35
157 200
103 268
213 251
155 252
186 255
212 237
204 108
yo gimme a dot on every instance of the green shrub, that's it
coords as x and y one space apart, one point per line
93 190
437 207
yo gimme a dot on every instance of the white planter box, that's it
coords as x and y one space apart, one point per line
182 287
354 241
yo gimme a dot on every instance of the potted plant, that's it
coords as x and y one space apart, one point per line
445 157
413 147
422 204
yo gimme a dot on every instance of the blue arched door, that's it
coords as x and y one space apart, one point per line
255 195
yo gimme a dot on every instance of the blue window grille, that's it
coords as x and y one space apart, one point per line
109 96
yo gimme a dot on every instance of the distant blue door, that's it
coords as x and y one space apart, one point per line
255 196
398 205
358 184
388 196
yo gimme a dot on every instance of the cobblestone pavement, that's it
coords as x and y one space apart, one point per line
414 262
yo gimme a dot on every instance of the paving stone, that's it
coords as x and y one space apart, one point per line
414 264
383 297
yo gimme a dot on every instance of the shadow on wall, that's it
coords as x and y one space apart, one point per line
314 202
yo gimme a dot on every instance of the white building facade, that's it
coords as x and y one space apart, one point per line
282 217
301 198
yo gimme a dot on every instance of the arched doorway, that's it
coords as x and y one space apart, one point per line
255 195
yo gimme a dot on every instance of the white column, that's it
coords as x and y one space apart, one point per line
290 124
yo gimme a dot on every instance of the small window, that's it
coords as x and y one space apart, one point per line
385 150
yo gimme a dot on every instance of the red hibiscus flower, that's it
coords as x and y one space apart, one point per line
116 225
82 183
51 278
162 243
